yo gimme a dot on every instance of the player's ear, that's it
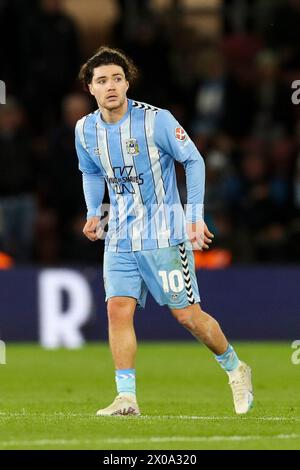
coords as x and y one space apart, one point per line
91 89
127 83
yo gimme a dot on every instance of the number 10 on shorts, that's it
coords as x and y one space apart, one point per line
172 280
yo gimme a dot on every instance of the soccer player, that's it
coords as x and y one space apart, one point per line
132 146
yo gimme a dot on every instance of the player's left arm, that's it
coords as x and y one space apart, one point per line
173 139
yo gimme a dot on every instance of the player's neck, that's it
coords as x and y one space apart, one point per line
114 115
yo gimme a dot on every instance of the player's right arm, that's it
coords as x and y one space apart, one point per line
93 186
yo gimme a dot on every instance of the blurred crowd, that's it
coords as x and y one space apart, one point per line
232 93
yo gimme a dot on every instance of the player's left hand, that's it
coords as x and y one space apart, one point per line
199 235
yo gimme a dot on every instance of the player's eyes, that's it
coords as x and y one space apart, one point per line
103 81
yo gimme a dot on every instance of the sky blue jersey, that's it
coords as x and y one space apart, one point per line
136 157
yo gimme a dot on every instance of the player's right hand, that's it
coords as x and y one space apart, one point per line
92 229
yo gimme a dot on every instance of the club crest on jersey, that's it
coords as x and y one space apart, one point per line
132 147
180 134
97 151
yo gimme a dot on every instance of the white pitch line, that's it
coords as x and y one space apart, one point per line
199 438
225 418
41 442
150 439
56 415
149 417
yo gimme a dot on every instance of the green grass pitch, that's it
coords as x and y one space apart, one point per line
48 399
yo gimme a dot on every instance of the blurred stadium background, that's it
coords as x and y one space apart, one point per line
225 69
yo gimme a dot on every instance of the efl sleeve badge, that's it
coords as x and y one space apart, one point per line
180 134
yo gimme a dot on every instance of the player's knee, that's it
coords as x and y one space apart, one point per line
184 318
118 310
185 315
115 306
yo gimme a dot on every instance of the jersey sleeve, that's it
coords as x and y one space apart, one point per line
86 164
195 184
93 190
170 137
92 178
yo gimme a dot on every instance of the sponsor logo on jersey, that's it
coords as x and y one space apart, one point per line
132 147
122 180
180 134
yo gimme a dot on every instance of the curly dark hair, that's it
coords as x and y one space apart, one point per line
106 56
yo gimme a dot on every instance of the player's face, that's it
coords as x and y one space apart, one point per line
109 86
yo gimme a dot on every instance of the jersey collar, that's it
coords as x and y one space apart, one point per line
118 123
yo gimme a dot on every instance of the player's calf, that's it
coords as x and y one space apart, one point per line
204 327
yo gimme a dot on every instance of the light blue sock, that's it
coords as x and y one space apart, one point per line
125 380
229 360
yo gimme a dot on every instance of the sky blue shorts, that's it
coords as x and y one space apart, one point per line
168 273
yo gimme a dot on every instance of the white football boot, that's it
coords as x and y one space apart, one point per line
241 386
123 405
